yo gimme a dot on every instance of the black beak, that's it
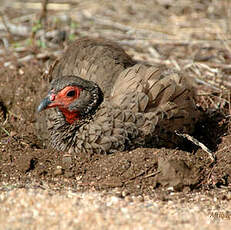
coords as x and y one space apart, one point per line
44 103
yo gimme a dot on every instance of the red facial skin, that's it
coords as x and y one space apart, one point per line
62 101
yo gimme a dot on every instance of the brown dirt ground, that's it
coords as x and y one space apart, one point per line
24 158
125 189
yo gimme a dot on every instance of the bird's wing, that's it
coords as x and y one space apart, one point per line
151 87
166 97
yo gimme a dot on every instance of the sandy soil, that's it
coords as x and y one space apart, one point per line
38 207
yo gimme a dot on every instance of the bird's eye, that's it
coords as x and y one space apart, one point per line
71 93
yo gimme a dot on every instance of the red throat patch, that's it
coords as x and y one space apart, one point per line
70 117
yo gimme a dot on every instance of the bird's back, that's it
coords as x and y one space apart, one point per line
98 60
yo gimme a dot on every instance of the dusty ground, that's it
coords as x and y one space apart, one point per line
146 188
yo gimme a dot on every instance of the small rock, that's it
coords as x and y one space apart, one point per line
125 193
58 171
186 189
13 133
140 198
128 198
175 174
69 174
20 71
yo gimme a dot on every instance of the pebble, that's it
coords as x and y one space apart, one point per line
58 170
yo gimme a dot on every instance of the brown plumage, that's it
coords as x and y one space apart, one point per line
165 97
144 106
3 112
98 60
104 102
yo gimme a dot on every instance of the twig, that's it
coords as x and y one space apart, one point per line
4 23
127 28
198 143
43 15
140 174
5 131
219 97
5 42
13 29
47 73
152 174
134 42
26 58
207 84
20 60
24 18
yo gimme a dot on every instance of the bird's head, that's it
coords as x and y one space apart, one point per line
75 97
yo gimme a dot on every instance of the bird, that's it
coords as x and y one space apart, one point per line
145 107
96 59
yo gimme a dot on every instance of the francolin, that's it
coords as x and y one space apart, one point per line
101 101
